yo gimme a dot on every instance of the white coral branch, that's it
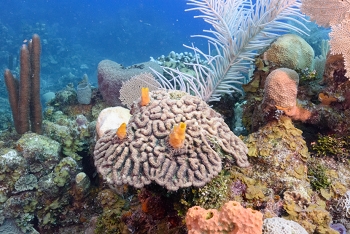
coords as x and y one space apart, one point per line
240 29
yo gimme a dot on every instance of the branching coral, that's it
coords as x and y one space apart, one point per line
146 155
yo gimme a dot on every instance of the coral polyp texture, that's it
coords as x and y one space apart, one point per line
280 91
232 218
281 88
290 51
145 155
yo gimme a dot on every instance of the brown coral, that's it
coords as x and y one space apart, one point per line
146 155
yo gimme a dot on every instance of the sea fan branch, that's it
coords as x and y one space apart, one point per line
241 28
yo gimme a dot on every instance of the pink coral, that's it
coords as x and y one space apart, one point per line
280 91
326 12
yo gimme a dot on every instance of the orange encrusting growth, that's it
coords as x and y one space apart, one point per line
145 99
177 136
121 131
232 218
326 99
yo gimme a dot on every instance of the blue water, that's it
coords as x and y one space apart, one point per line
83 32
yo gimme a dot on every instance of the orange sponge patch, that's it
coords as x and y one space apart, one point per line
177 136
145 99
232 218
121 132
326 99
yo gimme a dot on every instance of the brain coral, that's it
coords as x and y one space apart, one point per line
145 156
282 226
291 51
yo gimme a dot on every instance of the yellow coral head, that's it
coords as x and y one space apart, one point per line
177 136
145 99
121 131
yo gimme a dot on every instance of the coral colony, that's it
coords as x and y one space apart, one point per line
150 150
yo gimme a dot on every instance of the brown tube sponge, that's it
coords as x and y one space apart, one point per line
12 89
24 91
24 96
35 104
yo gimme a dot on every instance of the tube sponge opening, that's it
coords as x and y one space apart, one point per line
177 136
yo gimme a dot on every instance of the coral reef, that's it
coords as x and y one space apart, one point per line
26 182
35 182
211 196
253 28
275 146
181 61
281 87
317 175
73 134
173 151
110 219
232 218
146 155
10 227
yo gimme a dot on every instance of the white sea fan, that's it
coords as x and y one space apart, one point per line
240 29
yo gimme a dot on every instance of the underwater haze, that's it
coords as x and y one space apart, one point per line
77 35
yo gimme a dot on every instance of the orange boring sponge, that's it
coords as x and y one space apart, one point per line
121 131
177 136
326 99
232 218
145 99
